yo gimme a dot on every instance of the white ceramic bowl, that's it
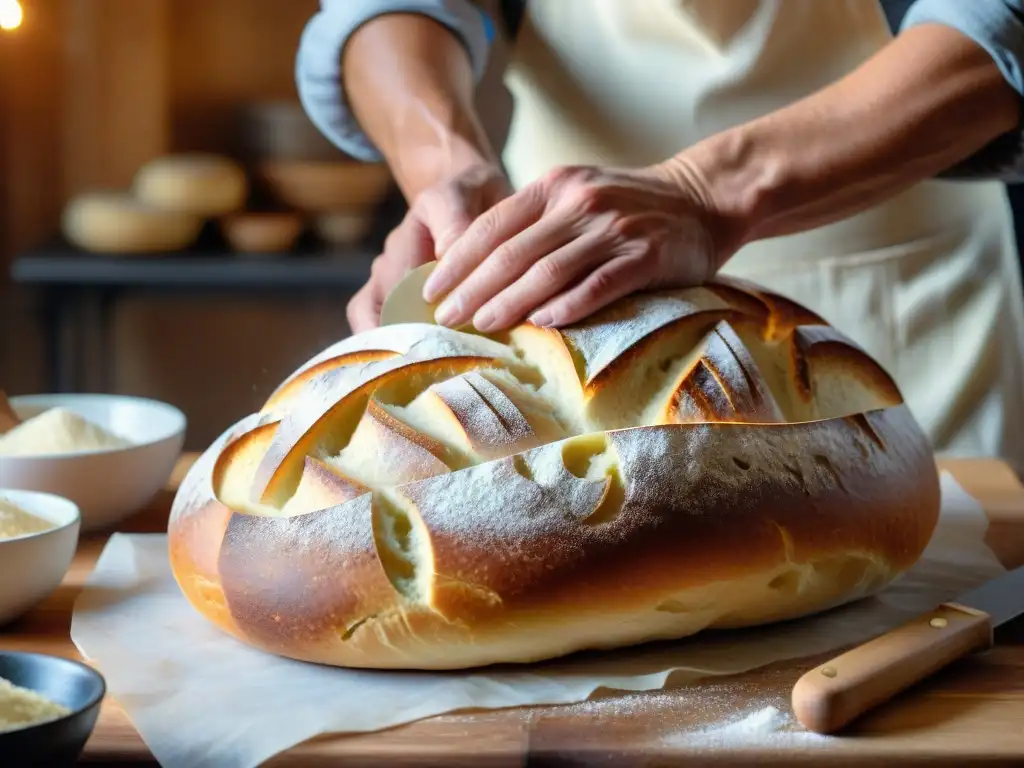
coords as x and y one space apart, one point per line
107 486
33 566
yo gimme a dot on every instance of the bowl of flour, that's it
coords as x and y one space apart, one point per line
48 709
38 538
109 454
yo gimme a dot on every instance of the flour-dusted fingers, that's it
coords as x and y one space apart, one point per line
546 279
608 283
509 262
490 230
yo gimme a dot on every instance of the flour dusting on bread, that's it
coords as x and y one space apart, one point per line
421 497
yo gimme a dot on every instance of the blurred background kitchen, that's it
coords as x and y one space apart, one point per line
206 309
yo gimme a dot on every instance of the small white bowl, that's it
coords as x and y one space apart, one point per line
33 566
107 486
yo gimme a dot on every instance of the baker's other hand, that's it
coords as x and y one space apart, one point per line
574 241
437 218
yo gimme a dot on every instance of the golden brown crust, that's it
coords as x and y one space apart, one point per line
292 386
800 481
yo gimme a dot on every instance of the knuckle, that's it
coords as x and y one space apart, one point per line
426 199
486 225
634 269
505 258
446 236
559 175
455 203
623 227
585 199
602 283
550 271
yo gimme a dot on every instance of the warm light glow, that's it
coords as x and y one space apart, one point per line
10 14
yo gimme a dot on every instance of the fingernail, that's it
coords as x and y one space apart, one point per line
483 321
434 286
542 318
447 313
430 289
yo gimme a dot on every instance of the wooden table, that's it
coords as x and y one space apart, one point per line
971 713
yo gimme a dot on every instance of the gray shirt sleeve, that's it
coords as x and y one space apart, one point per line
318 63
998 27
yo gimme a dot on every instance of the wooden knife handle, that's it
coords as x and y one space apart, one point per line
835 693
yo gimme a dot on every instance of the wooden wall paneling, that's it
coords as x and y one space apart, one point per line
114 83
226 54
116 110
218 358
117 107
30 84
30 175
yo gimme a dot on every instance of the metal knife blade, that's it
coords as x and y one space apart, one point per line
1002 598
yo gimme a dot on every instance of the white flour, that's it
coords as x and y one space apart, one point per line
762 726
707 716
14 521
21 708
762 722
58 430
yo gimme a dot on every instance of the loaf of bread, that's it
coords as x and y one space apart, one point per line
425 498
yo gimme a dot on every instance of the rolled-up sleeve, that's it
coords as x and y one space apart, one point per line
998 27
318 63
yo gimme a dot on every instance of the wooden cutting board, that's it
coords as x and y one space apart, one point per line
973 712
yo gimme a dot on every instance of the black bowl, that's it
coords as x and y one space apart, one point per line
56 743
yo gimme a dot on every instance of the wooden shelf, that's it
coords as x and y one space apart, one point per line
337 271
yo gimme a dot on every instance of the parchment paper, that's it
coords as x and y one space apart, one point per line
200 699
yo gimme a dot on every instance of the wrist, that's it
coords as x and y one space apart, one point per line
926 101
732 178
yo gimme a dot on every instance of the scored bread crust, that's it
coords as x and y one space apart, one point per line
423 498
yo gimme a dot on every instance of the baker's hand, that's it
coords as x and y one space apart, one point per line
438 217
573 242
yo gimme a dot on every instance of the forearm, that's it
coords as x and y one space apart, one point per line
410 85
924 103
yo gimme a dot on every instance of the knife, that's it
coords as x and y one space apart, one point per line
832 695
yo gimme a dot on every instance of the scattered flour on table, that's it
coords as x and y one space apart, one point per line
768 727
58 430
760 725
747 711
761 722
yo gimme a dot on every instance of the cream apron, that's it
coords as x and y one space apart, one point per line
928 282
